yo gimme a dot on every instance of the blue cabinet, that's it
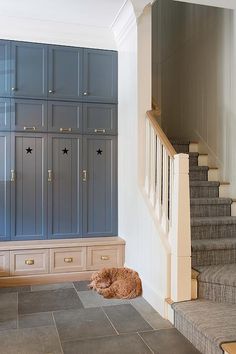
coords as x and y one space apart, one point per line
28 186
64 186
5 182
29 70
100 72
65 117
5 68
100 186
5 108
99 118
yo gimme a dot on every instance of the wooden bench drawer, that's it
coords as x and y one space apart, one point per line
99 257
29 262
4 264
67 260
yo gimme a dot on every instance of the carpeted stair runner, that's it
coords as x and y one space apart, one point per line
211 320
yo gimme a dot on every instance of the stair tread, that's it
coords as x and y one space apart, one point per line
194 154
214 244
210 201
204 184
218 274
215 321
198 168
214 220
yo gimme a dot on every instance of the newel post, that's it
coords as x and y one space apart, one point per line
181 232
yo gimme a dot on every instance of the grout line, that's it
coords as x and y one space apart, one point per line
57 332
145 343
110 321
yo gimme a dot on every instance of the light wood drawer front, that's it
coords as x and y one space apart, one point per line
29 262
4 264
68 260
104 256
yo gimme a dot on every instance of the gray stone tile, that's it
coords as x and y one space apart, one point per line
82 285
82 324
125 344
41 340
149 314
51 286
168 341
126 319
15 289
8 311
93 299
49 300
35 320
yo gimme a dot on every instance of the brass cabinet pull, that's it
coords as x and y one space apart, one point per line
29 261
84 175
50 91
68 260
99 130
13 175
30 128
65 130
50 176
105 258
13 88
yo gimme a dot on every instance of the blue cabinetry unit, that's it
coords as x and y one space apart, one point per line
65 117
99 118
5 68
5 108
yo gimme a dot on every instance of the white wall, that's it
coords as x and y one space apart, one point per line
145 251
196 69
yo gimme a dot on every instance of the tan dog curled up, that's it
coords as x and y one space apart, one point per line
119 283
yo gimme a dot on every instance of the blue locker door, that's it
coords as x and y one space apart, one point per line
64 186
5 68
5 181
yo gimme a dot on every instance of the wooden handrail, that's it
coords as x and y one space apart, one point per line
163 138
156 107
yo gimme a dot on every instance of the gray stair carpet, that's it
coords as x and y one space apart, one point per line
204 189
213 227
206 324
217 283
198 173
210 207
193 158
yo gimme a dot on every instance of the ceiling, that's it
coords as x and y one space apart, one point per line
98 13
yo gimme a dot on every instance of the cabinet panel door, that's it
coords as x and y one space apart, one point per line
29 191
99 118
4 68
100 189
28 115
64 193
5 186
29 70
64 117
100 75
65 68
5 111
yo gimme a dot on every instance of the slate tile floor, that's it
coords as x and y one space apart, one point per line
68 318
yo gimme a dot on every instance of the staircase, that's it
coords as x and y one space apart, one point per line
209 321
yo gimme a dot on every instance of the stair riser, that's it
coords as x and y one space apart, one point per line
212 231
181 148
204 192
193 160
217 292
213 257
198 175
210 210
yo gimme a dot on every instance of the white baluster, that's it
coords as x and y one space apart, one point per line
147 162
165 191
158 178
152 165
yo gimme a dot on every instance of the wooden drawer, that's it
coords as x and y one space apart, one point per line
99 257
29 262
67 260
4 264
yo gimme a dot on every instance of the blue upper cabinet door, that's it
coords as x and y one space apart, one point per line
29 186
64 186
64 117
29 68
99 118
100 76
65 73
5 181
5 108
100 186
5 68
28 115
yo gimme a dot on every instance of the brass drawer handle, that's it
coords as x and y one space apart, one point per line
68 260
29 261
30 128
84 175
65 130
13 175
50 176
105 258
99 130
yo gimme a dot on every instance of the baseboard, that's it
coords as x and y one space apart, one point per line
154 299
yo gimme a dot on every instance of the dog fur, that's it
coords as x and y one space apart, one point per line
119 283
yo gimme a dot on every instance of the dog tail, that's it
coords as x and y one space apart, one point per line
136 292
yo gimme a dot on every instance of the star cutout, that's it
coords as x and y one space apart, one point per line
29 150
65 151
99 152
